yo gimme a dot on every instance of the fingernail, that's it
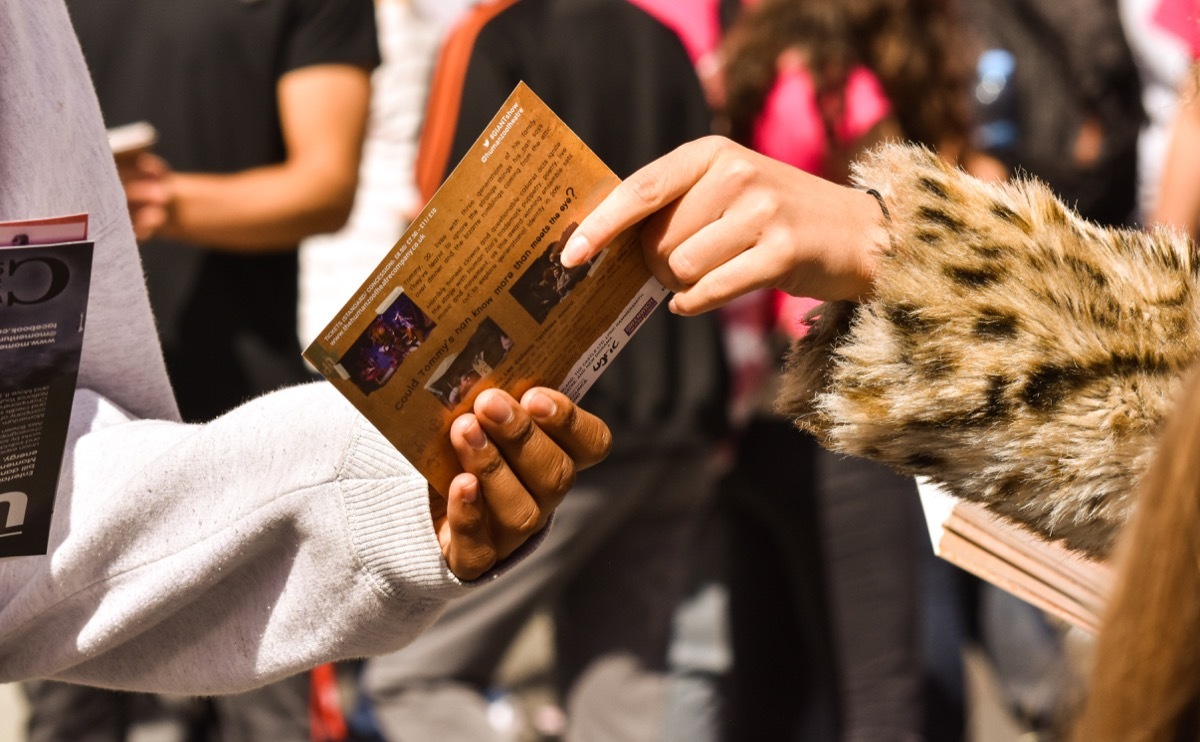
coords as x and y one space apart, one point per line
573 251
474 435
470 492
540 405
496 409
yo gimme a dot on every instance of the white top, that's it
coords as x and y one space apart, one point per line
188 558
1163 61
333 266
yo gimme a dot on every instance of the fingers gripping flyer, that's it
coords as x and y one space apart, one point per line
474 295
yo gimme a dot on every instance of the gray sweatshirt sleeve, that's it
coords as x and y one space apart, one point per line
1017 354
212 558
188 558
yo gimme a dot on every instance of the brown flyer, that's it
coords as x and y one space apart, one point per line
473 296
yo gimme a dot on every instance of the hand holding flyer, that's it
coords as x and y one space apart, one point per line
475 296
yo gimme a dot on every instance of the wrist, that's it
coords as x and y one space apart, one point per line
170 228
866 240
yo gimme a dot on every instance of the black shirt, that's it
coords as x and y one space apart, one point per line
205 74
623 82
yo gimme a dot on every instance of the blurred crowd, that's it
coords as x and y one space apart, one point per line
720 576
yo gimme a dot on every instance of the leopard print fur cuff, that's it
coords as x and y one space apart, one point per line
1013 352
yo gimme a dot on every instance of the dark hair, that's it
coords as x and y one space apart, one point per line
911 46
758 38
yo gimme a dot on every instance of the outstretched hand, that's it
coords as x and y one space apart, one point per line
722 220
519 461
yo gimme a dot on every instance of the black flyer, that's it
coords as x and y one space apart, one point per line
45 270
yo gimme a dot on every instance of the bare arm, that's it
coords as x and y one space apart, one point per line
323 111
1178 202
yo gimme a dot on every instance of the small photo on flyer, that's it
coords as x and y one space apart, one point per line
546 282
397 331
488 346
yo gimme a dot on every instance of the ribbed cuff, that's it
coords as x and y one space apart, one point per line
390 525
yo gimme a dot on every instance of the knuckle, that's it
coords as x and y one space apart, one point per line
522 429
490 467
531 524
715 144
738 172
473 565
645 186
468 520
601 223
762 211
716 289
561 479
485 557
659 261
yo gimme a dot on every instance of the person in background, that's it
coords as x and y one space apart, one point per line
257 149
1072 99
699 654
211 558
619 556
1068 111
1162 59
260 111
1178 203
334 264
815 84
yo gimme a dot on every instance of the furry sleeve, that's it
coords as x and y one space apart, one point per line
1013 352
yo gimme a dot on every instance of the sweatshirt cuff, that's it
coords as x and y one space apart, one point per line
390 525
